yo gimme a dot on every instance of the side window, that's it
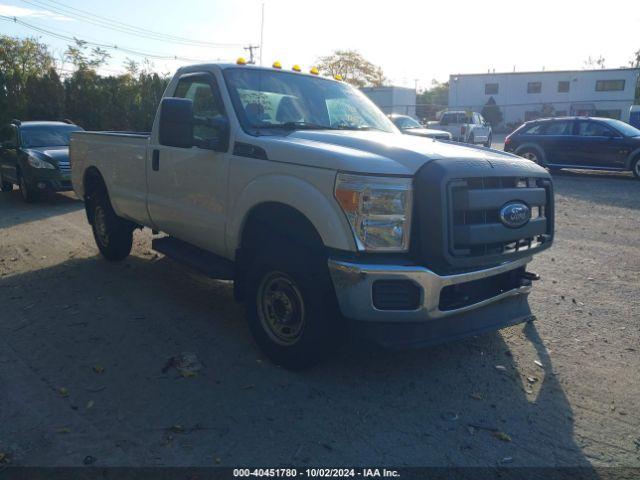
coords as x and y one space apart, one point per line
595 129
559 128
533 129
208 110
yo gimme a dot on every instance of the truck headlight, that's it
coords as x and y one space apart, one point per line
378 209
37 163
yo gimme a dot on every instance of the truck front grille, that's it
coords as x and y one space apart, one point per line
474 222
457 225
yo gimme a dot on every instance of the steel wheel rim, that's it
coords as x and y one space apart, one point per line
530 156
281 308
638 168
100 223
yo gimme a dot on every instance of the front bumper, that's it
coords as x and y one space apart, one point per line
48 180
427 323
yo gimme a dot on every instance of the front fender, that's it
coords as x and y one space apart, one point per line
319 208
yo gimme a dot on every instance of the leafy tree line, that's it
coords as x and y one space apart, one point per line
31 88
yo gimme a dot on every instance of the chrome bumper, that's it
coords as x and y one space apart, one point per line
353 284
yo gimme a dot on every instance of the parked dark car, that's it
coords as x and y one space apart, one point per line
35 156
410 126
578 142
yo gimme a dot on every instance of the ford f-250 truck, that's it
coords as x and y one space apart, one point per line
327 218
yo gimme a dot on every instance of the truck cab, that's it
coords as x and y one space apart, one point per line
329 220
464 126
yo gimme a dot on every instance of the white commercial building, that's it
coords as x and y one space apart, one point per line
523 96
393 99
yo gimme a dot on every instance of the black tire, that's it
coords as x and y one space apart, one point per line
5 186
488 142
28 193
291 306
472 139
113 235
532 154
635 167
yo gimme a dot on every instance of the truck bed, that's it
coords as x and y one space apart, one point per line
121 159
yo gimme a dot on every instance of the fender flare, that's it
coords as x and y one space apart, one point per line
632 156
323 213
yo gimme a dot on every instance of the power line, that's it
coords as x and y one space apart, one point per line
107 23
130 51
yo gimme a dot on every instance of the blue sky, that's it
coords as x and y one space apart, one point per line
409 39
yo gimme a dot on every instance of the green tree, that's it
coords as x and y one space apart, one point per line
20 60
84 59
432 100
45 97
492 113
353 68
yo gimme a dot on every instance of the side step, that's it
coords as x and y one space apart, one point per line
194 257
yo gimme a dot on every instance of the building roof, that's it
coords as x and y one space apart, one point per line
540 72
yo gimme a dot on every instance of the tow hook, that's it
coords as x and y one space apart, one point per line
528 277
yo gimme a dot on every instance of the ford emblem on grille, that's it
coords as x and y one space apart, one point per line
515 214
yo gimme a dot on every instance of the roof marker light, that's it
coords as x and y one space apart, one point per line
277 64
314 71
296 68
241 61
338 77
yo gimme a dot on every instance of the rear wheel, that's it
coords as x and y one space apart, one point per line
291 305
635 167
472 139
531 154
488 142
113 235
5 186
27 192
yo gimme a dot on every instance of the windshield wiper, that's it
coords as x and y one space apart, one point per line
294 126
356 127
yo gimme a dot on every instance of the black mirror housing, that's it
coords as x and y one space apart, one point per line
176 122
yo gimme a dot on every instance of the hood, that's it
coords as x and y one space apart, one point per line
369 151
53 155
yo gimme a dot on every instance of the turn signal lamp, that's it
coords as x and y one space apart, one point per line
277 64
296 68
314 71
338 77
241 61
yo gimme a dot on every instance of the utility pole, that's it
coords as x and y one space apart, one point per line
250 49
262 34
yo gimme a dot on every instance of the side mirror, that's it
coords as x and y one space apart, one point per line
176 122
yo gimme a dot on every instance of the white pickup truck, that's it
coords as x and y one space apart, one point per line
327 218
467 127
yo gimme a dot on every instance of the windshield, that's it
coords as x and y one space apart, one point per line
624 128
406 122
47 135
275 100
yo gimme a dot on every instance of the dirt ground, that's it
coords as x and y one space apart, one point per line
85 371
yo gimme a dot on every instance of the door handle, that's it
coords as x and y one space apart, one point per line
155 160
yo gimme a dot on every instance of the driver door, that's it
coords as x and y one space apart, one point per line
187 186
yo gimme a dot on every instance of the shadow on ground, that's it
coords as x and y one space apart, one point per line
447 405
14 210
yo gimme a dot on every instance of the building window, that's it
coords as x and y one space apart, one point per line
609 85
490 88
609 114
563 87
534 87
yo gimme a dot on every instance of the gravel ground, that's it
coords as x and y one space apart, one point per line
85 371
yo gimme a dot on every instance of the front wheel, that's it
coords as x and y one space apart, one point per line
488 142
291 306
472 139
113 235
635 167
27 192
